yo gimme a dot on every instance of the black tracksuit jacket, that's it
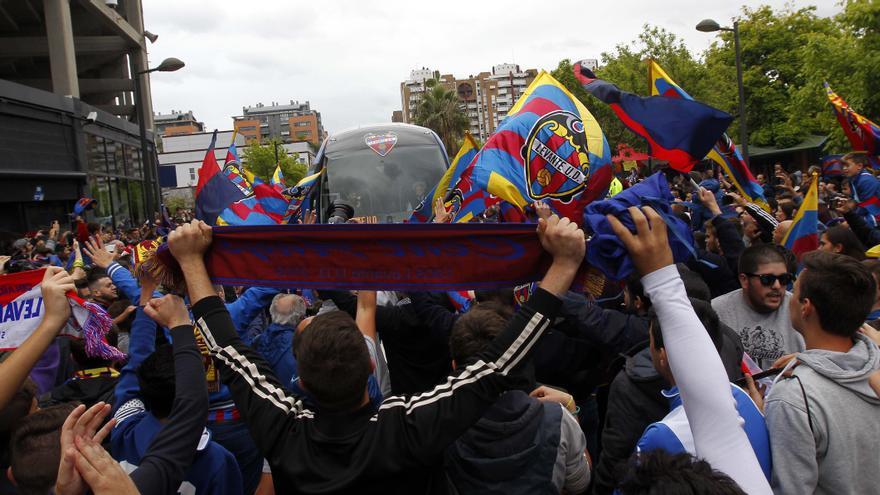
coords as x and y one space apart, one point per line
398 449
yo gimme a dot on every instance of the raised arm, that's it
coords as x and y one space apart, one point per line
249 304
425 424
173 449
15 369
366 313
142 343
698 371
259 396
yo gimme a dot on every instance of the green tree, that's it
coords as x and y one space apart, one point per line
849 59
441 111
783 95
259 159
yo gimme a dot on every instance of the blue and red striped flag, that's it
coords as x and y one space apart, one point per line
680 131
832 166
266 207
803 235
214 192
425 211
84 204
549 147
863 134
460 299
724 153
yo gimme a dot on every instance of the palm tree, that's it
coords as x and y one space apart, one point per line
441 111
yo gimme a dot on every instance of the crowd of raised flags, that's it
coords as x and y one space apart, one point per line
511 171
549 156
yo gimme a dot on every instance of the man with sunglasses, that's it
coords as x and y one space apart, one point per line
758 311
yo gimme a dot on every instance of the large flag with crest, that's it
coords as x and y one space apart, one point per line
863 134
724 153
549 147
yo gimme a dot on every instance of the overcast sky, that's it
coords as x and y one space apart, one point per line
348 57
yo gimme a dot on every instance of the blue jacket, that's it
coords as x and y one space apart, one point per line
242 311
275 345
673 433
214 470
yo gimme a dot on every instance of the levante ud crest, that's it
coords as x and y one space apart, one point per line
555 157
381 143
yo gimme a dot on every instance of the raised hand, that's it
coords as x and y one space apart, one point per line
189 241
549 394
562 239
707 197
542 209
56 283
440 213
649 246
168 311
310 217
82 423
100 471
94 249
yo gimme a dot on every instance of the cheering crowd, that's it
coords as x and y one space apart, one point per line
742 370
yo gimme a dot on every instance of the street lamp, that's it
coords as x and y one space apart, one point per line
168 65
711 26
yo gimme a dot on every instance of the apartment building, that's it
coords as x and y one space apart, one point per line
293 122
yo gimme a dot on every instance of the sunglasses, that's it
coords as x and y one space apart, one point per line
768 279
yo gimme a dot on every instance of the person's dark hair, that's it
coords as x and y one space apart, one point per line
43 251
637 290
852 247
787 207
791 262
474 330
659 473
333 361
17 408
35 449
873 266
85 362
757 255
707 317
156 380
93 228
694 285
116 308
859 158
842 290
503 296
96 274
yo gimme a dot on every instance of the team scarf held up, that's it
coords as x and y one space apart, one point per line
22 309
549 148
433 257
680 131
724 153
